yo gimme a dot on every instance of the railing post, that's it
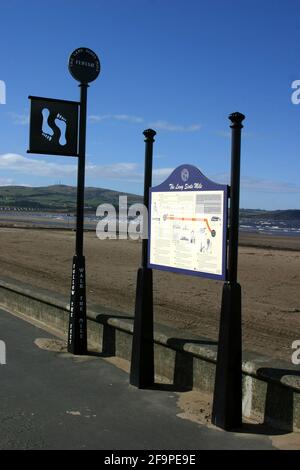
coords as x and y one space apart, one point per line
227 403
142 356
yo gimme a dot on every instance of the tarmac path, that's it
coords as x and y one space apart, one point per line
52 400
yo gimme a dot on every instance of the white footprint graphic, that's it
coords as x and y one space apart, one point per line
61 123
47 132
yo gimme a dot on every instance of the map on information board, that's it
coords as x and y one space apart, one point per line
188 224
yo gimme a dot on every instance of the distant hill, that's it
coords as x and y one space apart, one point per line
279 215
62 198
59 197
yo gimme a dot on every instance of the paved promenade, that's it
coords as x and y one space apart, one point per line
51 400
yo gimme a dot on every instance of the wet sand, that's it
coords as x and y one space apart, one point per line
269 273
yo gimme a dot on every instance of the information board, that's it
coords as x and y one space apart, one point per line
188 224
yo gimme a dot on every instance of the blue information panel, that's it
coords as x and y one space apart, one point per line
188 225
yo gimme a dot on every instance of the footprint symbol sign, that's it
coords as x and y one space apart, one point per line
61 123
54 126
57 126
47 131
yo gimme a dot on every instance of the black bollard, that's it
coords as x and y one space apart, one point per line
142 355
77 337
84 66
227 403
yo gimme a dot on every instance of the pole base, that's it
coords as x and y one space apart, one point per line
77 337
142 356
227 403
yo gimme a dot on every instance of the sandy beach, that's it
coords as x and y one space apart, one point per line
269 273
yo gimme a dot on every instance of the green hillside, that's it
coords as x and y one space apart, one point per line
59 197
278 215
62 198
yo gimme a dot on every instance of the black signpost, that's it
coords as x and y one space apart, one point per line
84 66
54 131
142 356
227 404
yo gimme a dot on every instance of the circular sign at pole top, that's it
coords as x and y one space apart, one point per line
84 65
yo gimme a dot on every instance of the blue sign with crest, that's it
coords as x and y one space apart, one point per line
188 225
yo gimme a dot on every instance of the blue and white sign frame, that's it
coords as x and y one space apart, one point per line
188 225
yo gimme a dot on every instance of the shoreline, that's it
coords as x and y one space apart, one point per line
246 239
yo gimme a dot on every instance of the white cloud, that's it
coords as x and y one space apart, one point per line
269 186
226 134
160 174
246 134
20 119
39 167
98 118
115 171
262 185
167 126
125 171
6 181
117 117
128 171
157 125
127 117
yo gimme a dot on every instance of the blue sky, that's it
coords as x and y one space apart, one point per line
179 66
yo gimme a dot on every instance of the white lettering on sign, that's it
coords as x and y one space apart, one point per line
184 187
84 63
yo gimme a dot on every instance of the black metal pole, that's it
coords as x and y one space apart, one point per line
227 403
77 338
142 355
81 170
236 126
